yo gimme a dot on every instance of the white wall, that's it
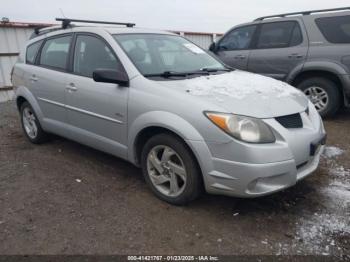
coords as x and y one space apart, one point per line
12 41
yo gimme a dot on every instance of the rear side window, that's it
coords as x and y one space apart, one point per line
279 35
238 39
55 52
335 29
32 52
92 53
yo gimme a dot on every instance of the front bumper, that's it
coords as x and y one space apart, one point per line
253 170
254 180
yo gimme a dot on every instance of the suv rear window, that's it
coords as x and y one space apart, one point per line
335 29
279 35
55 52
32 52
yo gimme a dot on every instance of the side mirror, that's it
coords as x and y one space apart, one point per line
212 47
111 76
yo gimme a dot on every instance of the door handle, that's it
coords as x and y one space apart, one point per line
295 56
34 78
71 87
240 57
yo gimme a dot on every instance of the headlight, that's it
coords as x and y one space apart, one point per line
247 129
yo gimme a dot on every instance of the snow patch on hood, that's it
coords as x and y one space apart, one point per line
239 84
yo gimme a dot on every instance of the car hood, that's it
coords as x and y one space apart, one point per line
244 93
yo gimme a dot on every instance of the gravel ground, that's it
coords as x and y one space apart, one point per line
65 198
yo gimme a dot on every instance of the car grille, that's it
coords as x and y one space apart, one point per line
290 121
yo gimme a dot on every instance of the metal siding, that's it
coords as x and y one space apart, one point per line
6 64
203 40
12 40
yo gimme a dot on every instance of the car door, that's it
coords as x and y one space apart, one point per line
47 78
280 47
234 48
96 111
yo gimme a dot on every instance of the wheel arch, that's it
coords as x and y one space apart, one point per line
159 121
322 73
23 94
19 102
148 132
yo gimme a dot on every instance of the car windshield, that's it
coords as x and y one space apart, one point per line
167 55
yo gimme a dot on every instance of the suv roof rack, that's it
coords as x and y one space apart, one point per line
66 22
303 13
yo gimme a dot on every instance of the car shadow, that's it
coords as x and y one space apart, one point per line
304 196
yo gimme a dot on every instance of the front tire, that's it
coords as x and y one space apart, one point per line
31 126
170 169
323 93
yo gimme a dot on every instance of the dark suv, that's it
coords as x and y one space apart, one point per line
309 50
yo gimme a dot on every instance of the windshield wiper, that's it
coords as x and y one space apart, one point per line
167 74
203 71
213 70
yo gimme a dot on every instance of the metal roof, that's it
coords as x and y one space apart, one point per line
23 25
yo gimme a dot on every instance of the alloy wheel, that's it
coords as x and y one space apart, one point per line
29 123
166 171
318 96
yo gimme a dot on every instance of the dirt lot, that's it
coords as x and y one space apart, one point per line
65 198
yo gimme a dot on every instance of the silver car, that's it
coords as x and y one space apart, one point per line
157 100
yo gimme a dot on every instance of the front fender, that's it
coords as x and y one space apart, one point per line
179 126
328 66
165 120
24 92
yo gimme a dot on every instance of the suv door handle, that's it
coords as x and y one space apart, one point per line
71 87
33 78
240 57
295 56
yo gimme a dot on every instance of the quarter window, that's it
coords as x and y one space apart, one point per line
32 52
335 29
92 53
238 39
279 35
55 52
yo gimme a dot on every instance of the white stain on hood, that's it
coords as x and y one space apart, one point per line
240 84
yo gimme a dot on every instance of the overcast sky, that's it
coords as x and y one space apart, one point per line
188 15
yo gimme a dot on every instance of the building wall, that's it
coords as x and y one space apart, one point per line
13 40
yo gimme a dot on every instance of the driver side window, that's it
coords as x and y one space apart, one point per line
92 53
237 39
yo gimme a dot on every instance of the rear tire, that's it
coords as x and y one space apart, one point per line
323 93
31 126
165 156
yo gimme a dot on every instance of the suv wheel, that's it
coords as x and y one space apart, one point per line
31 125
323 93
170 169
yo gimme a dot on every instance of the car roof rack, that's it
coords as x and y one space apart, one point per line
303 13
40 30
67 21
